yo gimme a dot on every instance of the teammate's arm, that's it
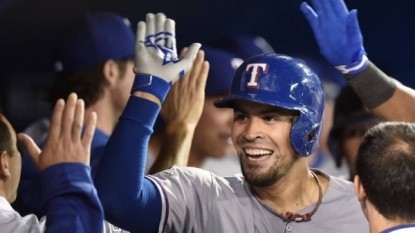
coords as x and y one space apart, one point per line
71 201
181 111
396 103
338 35
131 201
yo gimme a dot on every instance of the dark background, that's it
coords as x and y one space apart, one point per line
29 29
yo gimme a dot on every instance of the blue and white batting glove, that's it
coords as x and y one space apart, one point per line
157 65
338 34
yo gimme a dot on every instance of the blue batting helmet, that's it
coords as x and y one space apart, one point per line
282 81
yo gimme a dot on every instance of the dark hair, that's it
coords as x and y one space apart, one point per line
88 83
5 136
386 167
348 110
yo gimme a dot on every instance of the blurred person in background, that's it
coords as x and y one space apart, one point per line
351 121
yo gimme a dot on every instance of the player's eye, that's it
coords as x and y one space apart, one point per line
271 118
239 117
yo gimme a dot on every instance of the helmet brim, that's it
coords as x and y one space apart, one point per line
231 100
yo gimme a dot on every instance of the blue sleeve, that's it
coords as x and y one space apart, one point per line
29 195
71 200
130 201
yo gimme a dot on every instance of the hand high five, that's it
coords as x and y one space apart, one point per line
64 143
338 34
156 52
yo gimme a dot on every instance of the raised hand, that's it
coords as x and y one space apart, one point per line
64 143
184 103
181 111
337 33
156 57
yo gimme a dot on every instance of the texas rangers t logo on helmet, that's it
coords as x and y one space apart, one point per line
255 69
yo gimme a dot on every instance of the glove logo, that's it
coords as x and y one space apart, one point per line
255 69
163 43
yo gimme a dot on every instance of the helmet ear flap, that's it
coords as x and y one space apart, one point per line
305 139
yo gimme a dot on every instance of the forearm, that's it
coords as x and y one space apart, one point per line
175 147
391 102
130 201
400 107
71 200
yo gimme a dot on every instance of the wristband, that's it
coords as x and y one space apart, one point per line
355 67
151 84
372 86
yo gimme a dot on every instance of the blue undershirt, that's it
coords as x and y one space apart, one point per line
130 201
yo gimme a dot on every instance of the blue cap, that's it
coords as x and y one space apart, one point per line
95 38
243 46
222 68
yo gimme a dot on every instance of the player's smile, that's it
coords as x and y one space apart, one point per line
256 155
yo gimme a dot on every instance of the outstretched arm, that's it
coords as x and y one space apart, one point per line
338 35
131 201
70 198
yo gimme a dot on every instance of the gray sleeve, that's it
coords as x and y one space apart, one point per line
187 196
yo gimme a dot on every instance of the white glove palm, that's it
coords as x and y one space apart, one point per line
156 52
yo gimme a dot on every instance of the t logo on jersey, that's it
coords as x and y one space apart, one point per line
255 69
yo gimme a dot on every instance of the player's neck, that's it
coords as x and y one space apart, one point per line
2 193
106 116
297 190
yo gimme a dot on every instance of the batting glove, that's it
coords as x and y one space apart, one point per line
157 65
338 34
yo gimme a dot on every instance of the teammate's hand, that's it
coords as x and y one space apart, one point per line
156 58
337 33
64 143
184 103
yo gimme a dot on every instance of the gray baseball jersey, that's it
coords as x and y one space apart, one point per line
195 200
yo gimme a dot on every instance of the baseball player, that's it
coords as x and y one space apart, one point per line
71 201
278 105
338 35
385 177
96 62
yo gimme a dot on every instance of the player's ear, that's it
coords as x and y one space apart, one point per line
4 166
360 191
111 72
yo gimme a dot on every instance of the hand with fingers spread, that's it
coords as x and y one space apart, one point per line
184 102
157 65
181 111
64 143
338 34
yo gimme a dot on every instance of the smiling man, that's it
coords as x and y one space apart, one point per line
278 106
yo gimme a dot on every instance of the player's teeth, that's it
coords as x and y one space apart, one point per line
258 152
